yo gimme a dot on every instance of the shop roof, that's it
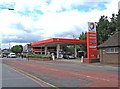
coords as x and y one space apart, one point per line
58 40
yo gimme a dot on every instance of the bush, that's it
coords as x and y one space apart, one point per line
37 56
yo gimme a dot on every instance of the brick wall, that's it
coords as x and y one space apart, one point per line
110 58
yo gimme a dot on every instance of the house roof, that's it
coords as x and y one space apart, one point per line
113 41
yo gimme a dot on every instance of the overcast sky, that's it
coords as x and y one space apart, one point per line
34 20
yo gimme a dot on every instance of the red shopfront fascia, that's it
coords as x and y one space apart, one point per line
91 45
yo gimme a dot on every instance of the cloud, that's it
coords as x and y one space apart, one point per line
35 20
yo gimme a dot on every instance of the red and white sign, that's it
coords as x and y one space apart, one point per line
91 27
91 41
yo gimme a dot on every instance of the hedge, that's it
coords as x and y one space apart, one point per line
37 56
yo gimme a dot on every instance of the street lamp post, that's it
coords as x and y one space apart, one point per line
8 9
118 5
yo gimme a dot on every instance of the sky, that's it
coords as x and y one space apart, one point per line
35 20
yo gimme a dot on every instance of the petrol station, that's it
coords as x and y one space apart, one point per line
56 45
59 45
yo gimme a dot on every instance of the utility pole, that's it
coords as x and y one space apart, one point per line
9 45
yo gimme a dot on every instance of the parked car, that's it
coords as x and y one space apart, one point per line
12 55
4 55
68 56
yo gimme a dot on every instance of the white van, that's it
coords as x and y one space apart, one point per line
12 55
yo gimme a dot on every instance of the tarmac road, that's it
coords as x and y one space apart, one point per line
14 78
68 74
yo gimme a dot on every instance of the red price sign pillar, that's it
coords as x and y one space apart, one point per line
91 41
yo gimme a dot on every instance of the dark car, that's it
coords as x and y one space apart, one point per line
4 55
68 56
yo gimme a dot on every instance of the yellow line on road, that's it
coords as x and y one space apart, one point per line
34 78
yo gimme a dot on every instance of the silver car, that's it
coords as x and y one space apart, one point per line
12 55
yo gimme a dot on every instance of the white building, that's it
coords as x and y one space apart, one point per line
27 48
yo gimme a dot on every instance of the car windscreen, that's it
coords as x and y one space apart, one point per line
12 54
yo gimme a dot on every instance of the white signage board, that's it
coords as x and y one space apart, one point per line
92 26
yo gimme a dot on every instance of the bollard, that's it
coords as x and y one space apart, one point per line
53 57
82 59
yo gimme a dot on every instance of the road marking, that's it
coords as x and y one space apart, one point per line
34 78
54 69
100 65
17 70
91 77
84 75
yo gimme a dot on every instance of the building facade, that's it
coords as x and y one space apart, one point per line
109 51
27 48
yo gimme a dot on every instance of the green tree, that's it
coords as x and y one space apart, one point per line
21 47
83 37
102 29
112 25
118 21
16 49
106 28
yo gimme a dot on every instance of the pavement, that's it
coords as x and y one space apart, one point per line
78 61
94 64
